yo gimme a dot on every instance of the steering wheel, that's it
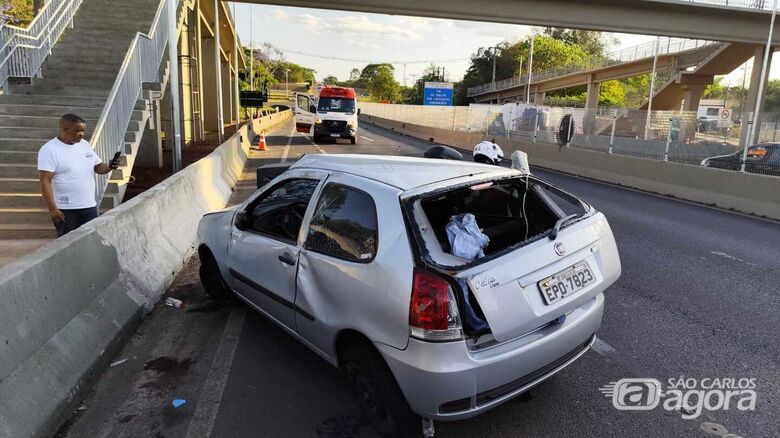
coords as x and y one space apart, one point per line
292 218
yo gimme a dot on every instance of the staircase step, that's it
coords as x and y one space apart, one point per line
24 216
42 99
27 231
64 63
18 171
22 144
18 157
50 110
20 185
105 82
37 122
26 132
21 200
61 90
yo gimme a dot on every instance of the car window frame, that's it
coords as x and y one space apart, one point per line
265 193
314 213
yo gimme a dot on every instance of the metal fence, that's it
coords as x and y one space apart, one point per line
748 4
642 51
674 136
23 50
141 64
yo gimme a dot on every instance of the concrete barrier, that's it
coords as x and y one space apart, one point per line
68 306
743 192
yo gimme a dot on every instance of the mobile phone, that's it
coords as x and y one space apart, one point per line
116 157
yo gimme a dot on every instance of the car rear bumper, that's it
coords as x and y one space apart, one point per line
447 381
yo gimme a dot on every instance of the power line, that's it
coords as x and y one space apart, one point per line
369 61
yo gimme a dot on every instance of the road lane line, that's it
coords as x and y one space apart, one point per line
287 148
210 397
366 138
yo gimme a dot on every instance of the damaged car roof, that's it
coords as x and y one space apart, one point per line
402 172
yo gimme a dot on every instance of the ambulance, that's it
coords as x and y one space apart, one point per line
331 113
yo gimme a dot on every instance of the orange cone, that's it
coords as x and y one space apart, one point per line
261 144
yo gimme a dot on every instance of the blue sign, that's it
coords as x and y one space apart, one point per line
437 93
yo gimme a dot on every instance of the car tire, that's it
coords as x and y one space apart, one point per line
211 278
353 140
379 396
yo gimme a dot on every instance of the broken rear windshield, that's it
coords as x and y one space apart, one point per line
510 212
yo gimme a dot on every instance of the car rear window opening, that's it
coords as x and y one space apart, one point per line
506 212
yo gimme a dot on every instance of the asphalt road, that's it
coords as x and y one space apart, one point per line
698 298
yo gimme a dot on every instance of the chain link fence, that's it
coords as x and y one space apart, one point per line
676 136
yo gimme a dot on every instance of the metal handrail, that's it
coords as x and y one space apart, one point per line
23 50
141 64
629 54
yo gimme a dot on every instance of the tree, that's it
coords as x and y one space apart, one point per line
380 81
16 12
330 80
594 43
431 74
772 99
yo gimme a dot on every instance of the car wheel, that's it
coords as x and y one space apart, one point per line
211 278
352 140
381 400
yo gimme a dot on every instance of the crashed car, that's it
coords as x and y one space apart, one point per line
762 158
370 261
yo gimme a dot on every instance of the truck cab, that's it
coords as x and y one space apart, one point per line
332 113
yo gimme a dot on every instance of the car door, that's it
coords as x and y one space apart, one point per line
263 255
355 268
305 113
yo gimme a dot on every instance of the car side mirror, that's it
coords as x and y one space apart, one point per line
241 220
358 112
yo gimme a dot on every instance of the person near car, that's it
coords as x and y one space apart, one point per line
67 165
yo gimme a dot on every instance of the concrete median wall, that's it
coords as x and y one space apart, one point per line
67 307
742 192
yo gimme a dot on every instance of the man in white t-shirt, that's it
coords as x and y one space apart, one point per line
66 167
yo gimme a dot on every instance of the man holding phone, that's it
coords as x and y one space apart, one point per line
66 168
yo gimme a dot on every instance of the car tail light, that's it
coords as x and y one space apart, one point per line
433 312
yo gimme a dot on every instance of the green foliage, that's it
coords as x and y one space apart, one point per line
772 97
269 68
431 74
594 43
380 82
16 12
330 80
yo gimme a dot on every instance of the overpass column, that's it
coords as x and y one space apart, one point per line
539 97
591 105
692 93
750 104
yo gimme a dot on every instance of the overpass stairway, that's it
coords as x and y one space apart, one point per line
77 77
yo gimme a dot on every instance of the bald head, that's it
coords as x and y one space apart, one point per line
72 128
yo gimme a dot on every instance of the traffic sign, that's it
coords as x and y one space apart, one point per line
724 118
438 93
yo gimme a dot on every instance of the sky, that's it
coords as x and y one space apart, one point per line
342 41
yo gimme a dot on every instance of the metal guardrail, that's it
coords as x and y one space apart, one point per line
642 51
747 4
141 64
23 50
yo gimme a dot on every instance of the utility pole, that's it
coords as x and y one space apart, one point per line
652 90
286 83
760 96
251 48
530 71
495 49
173 83
404 75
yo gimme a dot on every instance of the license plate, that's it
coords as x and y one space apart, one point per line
567 282
335 135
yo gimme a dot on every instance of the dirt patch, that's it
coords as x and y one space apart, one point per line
169 365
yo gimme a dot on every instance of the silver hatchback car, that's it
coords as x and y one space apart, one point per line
441 288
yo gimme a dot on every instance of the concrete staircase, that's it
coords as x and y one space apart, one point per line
77 78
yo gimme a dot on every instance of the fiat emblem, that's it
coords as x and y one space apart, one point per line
560 249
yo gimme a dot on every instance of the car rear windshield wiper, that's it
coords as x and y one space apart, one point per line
558 224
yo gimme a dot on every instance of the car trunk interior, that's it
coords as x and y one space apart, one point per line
505 212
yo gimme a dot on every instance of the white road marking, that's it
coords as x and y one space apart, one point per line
601 347
731 257
287 148
365 138
210 398
322 151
